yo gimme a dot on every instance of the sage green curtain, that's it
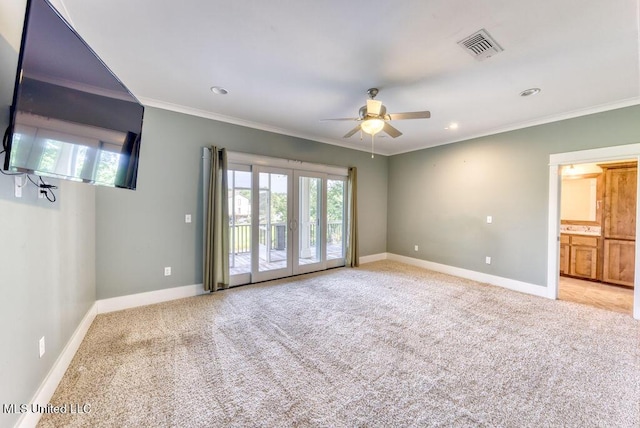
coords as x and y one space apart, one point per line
216 254
353 254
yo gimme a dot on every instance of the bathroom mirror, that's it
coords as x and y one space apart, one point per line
579 199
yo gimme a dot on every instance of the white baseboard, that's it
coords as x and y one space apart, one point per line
158 296
50 383
148 298
373 258
511 284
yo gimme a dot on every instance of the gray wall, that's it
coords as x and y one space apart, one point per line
47 257
439 198
141 232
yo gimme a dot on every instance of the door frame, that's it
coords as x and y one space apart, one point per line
556 162
260 162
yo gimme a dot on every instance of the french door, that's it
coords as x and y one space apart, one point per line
308 224
272 207
295 224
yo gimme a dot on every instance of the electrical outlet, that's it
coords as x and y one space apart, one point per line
415 248
487 260
167 271
187 218
41 345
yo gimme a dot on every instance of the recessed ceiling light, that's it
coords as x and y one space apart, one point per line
219 90
530 91
452 125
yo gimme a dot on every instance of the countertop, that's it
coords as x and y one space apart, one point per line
577 229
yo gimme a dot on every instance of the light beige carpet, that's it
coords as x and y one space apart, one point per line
383 345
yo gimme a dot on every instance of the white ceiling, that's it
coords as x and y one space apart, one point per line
288 64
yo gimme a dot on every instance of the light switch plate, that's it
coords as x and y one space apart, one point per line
18 188
489 219
187 218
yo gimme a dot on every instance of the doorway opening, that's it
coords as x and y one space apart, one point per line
597 234
599 248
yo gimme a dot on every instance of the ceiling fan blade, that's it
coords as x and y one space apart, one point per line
353 131
341 118
410 115
374 107
393 132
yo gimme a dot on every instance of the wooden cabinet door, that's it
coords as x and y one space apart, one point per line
620 203
619 262
584 261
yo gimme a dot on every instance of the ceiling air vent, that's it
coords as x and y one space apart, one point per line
480 45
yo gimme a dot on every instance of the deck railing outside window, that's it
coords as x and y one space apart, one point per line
241 236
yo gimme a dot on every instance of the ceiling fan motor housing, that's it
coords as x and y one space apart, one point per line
373 118
362 113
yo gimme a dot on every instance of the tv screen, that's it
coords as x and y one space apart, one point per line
71 117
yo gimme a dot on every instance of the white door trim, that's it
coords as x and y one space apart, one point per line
629 151
251 162
259 160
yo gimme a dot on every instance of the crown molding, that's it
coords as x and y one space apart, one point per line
628 102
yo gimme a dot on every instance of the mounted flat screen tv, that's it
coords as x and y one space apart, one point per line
71 117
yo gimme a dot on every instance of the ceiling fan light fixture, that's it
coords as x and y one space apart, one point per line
372 125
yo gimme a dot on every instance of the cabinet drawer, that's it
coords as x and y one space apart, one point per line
586 241
564 239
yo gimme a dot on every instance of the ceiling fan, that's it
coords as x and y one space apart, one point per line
373 117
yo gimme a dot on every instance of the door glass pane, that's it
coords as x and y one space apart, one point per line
335 219
239 197
309 233
273 219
